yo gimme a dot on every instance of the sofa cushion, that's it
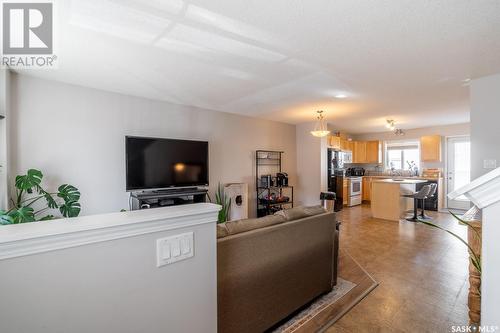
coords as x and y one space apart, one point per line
236 227
291 214
300 212
314 210
222 230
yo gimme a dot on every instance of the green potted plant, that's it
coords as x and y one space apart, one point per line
29 191
220 199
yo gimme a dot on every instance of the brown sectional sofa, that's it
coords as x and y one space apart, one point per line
268 268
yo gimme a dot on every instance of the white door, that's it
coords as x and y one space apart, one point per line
458 169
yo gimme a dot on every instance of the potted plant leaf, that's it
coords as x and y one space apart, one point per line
29 191
474 246
220 199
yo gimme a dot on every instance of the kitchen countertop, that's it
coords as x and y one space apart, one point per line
401 177
388 201
402 181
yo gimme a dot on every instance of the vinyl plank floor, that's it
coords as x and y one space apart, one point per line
422 274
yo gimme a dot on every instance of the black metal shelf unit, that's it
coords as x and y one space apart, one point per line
269 162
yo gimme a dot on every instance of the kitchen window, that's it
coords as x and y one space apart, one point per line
401 154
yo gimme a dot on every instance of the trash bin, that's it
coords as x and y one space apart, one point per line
328 200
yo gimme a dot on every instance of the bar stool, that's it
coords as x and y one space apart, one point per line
430 195
420 195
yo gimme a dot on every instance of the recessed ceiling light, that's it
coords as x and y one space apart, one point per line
340 96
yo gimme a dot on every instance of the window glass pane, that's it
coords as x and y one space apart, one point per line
394 159
410 155
400 153
462 165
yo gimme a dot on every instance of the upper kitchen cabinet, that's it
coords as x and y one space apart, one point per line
430 148
334 141
366 152
346 145
372 152
337 142
359 152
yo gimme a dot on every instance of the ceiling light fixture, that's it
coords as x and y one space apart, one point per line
340 96
399 132
466 82
390 124
320 129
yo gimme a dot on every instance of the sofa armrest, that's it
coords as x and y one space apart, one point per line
336 253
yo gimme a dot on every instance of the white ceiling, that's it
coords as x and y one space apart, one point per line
284 59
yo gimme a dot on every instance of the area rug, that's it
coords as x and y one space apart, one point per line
353 284
320 304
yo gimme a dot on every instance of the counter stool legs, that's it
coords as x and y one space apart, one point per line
422 194
422 213
414 218
432 192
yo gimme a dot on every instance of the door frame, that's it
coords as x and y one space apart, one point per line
446 166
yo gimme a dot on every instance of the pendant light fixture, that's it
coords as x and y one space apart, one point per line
320 129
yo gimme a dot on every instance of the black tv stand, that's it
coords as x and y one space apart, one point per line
175 190
167 197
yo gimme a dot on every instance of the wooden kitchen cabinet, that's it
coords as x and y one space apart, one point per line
366 151
350 145
430 148
359 152
345 192
334 142
367 189
372 152
345 145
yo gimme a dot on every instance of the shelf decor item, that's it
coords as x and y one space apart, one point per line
23 211
321 128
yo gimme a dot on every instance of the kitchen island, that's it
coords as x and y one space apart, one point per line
386 197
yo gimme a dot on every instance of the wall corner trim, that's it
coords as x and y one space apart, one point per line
482 191
38 237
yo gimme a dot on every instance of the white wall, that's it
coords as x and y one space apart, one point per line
485 120
100 275
485 140
447 130
76 135
311 165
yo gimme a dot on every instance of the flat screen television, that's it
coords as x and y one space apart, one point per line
154 163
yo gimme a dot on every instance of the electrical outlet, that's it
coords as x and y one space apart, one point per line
174 248
490 164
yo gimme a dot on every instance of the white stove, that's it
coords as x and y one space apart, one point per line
355 188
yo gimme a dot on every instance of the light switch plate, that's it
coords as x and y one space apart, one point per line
490 164
174 248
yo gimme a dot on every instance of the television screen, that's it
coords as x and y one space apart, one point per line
162 163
